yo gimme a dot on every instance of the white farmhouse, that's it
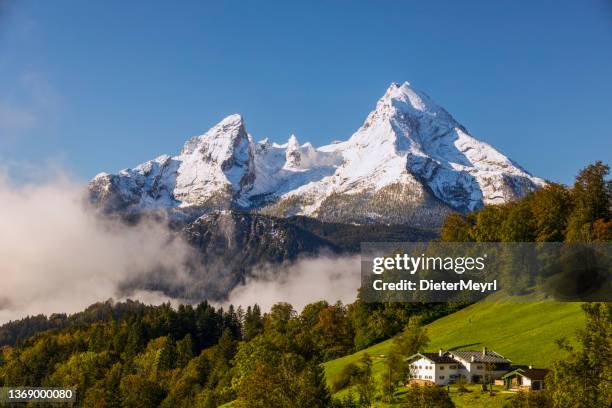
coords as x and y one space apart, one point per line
446 367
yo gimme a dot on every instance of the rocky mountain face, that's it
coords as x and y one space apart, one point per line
230 246
410 162
233 246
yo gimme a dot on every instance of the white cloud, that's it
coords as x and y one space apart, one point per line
308 280
59 257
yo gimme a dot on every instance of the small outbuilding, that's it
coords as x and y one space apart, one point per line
531 379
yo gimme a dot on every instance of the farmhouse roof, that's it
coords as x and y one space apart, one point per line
459 357
485 356
435 357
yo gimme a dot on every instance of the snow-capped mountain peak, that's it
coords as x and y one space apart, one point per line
403 102
221 135
218 162
410 157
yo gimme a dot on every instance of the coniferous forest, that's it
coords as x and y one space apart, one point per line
129 354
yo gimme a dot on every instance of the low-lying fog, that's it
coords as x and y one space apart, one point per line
58 256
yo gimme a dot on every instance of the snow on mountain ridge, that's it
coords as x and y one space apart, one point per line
459 170
407 144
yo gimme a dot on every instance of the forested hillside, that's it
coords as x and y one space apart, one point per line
128 354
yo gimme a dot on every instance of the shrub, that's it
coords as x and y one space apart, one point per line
345 377
427 396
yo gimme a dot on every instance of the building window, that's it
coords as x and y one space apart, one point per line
453 367
479 367
441 377
441 367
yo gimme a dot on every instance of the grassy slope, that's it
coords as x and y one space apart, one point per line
523 331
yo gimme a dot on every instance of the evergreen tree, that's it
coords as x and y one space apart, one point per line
312 386
226 348
365 383
232 322
208 326
253 322
112 382
184 351
166 358
135 338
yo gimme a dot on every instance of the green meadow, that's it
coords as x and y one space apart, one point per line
520 329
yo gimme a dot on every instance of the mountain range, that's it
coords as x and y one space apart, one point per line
244 203
410 163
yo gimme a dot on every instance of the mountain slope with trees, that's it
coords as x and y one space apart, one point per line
131 355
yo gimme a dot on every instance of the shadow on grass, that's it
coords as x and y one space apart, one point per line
464 346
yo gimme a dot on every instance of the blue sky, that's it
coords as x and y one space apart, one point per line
101 86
